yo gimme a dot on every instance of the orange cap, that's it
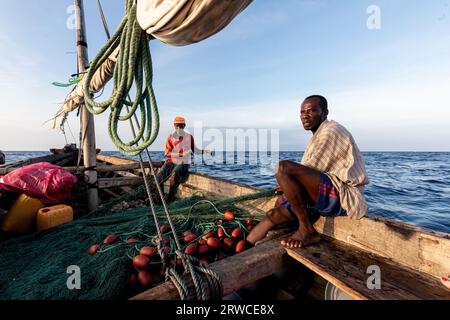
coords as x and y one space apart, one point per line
179 120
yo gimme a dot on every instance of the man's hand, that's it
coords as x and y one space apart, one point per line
185 154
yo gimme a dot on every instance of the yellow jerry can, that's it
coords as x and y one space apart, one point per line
51 217
21 218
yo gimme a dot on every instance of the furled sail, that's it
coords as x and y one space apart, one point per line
182 22
75 98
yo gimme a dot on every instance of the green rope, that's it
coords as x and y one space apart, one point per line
133 68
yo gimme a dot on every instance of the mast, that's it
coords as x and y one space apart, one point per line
87 119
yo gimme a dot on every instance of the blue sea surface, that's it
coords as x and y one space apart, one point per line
411 187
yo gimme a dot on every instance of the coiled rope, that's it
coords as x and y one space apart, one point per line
207 283
133 69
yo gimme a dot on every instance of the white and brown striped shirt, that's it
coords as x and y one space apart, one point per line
333 151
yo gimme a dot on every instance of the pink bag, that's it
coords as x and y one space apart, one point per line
44 181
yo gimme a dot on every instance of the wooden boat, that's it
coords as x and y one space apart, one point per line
371 258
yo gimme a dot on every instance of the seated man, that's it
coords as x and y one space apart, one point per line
179 147
329 181
2 158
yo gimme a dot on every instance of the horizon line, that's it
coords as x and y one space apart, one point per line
364 151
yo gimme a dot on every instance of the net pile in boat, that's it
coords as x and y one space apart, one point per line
36 266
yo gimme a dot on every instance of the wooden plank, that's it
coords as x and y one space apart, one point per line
216 187
114 160
116 168
257 206
111 193
346 267
64 162
419 248
126 189
247 267
105 183
134 165
126 174
68 148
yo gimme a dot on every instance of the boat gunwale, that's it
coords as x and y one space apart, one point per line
389 222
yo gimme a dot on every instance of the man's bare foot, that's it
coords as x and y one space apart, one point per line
301 240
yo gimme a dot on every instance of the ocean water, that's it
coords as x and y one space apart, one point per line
411 187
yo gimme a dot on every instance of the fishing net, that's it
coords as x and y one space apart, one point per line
36 266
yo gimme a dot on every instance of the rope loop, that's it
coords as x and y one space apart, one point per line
133 70
207 283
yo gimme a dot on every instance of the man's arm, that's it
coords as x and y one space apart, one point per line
196 150
169 147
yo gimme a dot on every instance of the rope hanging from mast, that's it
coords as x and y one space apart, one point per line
133 68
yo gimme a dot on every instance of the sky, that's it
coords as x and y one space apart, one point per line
389 86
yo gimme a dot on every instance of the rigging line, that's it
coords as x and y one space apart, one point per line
82 134
105 23
141 161
71 133
161 195
65 137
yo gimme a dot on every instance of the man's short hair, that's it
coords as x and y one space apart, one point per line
323 103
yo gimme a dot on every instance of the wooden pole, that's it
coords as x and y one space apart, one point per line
88 130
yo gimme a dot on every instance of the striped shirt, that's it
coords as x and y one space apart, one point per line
333 151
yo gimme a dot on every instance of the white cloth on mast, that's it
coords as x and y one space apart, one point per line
76 96
182 22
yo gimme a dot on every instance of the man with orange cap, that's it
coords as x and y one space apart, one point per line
179 147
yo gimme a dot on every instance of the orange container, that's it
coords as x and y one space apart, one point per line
51 217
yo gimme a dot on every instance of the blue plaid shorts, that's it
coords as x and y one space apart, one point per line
328 204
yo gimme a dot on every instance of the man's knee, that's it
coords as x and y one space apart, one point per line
272 215
181 171
287 167
277 216
283 167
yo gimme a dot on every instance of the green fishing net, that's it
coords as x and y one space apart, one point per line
36 266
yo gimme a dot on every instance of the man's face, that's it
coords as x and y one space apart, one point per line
311 114
179 126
